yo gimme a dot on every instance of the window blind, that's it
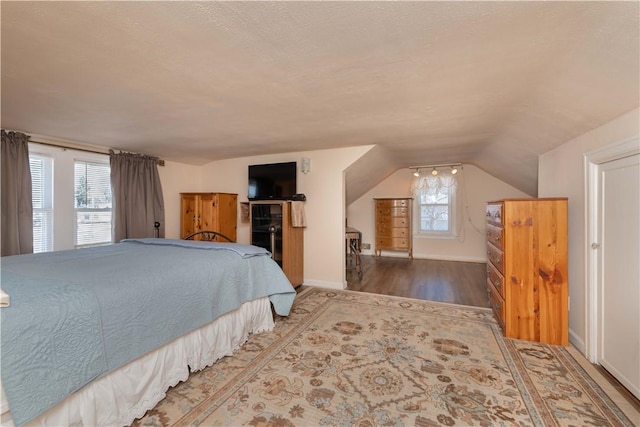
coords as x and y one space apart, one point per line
93 205
42 200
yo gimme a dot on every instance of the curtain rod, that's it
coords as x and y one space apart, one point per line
160 162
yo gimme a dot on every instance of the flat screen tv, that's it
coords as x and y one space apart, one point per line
274 181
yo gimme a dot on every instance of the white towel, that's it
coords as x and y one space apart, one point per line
4 299
298 218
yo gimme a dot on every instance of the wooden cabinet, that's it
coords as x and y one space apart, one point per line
209 211
527 281
271 228
393 225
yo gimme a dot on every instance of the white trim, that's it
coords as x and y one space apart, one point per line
591 257
452 258
435 257
614 152
394 254
577 341
444 235
592 162
324 284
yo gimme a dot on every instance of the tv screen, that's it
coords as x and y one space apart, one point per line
274 181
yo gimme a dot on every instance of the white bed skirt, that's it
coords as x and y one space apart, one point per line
125 394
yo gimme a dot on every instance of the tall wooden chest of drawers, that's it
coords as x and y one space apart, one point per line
393 225
527 268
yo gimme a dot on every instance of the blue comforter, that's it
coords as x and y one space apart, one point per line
76 315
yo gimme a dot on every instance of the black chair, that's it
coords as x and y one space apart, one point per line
208 236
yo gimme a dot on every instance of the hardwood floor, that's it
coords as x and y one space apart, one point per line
445 281
626 394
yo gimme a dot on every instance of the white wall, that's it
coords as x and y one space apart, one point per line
478 188
325 212
177 178
561 173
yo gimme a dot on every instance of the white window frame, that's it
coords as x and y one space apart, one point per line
47 210
451 232
84 210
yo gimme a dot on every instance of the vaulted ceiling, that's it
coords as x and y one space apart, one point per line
494 84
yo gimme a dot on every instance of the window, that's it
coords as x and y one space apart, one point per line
436 204
92 199
42 199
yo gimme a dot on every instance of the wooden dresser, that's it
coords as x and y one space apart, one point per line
209 211
527 268
393 225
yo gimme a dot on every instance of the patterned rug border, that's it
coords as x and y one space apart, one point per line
436 303
524 385
472 313
592 376
593 387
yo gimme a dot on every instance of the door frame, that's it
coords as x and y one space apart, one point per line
592 162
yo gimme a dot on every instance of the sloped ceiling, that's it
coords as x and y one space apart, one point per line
494 84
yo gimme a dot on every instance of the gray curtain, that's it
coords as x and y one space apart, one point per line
137 196
17 208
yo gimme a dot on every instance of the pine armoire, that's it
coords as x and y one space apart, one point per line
209 211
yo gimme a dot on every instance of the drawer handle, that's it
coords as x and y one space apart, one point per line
496 237
497 283
496 260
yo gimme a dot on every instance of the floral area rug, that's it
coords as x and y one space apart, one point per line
345 358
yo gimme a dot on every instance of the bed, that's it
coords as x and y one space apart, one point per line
96 336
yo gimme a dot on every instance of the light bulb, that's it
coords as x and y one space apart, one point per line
434 172
454 170
416 173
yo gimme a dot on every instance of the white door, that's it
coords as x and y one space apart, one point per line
619 262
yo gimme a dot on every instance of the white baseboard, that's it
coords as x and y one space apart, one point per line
436 257
324 284
452 258
577 342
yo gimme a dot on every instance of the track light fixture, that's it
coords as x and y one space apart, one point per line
453 167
